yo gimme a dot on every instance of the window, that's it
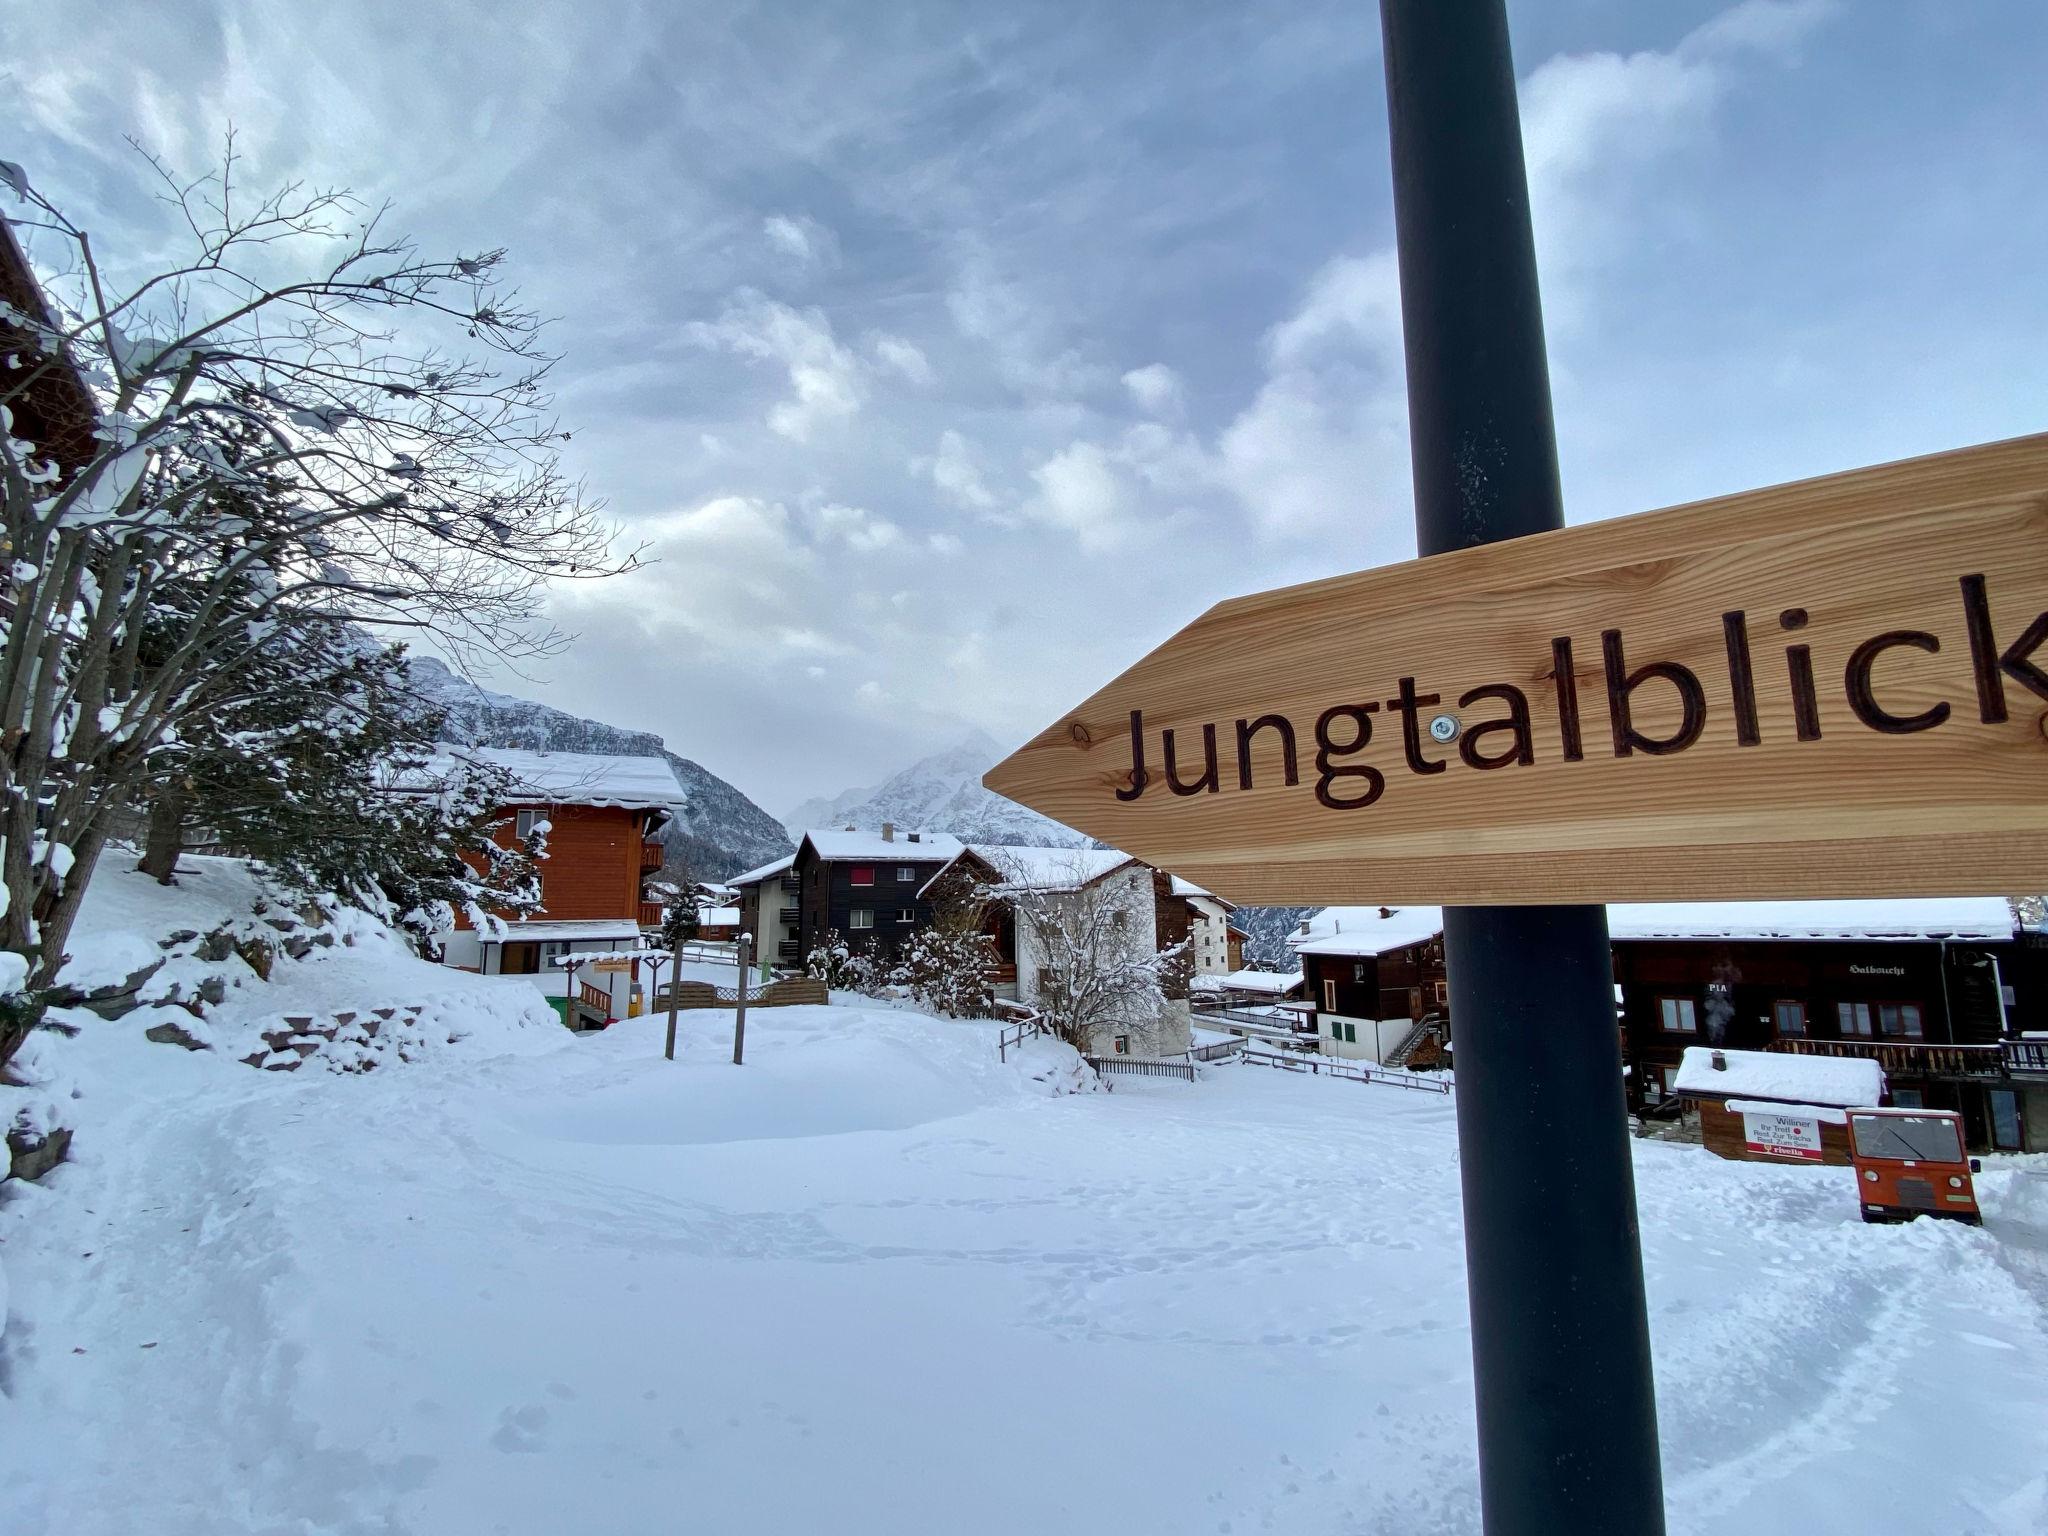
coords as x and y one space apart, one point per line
1351 1034
1789 1014
905 874
863 917
907 915
523 823
1678 1015
1121 1045
1853 1018
1443 994
1329 997
1358 972
1899 1019
1336 1030
862 874
1120 920
1907 1098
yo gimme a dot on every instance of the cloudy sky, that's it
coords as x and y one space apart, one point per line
948 356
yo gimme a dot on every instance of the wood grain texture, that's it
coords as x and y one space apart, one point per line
1958 809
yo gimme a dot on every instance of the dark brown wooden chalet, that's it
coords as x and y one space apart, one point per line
867 888
1936 992
50 404
1375 977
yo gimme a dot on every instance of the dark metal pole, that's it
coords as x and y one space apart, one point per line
1560 1331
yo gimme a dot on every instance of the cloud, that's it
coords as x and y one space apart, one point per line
1158 391
900 356
954 469
855 527
825 377
1083 491
801 238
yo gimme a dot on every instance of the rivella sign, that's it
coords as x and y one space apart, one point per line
1834 687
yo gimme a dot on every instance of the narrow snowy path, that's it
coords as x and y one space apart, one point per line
874 1281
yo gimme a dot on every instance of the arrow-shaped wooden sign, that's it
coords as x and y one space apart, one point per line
1836 687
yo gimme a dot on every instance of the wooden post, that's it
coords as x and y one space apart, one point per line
739 1021
675 981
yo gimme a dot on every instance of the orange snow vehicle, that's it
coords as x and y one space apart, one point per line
1910 1162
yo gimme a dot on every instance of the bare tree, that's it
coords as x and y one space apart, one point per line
301 416
1092 938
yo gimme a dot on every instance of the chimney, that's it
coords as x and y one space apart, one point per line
1304 927
1720 1062
888 831
1385 913
917 837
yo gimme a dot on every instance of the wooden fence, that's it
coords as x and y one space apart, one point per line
1140 1066
1218 1049
794 992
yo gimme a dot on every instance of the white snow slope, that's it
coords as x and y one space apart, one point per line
873 1282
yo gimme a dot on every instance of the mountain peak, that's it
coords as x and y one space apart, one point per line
940 793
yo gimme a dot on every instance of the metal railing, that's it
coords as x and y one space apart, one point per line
1143 1066
1216 1050
1329 1066
1020 1029
2027 1057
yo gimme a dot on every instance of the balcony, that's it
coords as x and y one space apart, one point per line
650 914
789 916
650 857
1904 1060
791 883
787 949
2025 1058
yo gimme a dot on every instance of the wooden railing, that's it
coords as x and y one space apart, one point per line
594 998
1355 1071
1903 1060
650 914
1142 1066
650 857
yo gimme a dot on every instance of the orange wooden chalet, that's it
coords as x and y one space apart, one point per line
601 815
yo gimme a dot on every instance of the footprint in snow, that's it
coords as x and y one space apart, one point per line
519 1429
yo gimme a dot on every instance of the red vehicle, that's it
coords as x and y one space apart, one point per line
1910 1162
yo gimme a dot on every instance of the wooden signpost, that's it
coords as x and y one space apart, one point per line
1838 686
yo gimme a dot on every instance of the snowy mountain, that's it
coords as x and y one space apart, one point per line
717 832
940 793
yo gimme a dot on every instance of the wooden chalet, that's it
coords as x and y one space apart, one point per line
50 404
1375 981
601 814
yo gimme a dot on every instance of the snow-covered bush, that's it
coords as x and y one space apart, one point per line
946 971
845 967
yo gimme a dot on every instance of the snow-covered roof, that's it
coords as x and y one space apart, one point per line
1843 1081
544 932
721 917
839 847
1272 982
1188 888
570 778
767 871
1367 930
1930 917
1050 869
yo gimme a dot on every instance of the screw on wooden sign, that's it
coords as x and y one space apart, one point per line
1811 690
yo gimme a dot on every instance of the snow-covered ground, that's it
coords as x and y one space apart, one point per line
874 1281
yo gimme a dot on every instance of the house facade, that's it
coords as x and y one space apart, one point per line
600 814
1215 948
1097 907
866 889
770 914
1940 993
1374 977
